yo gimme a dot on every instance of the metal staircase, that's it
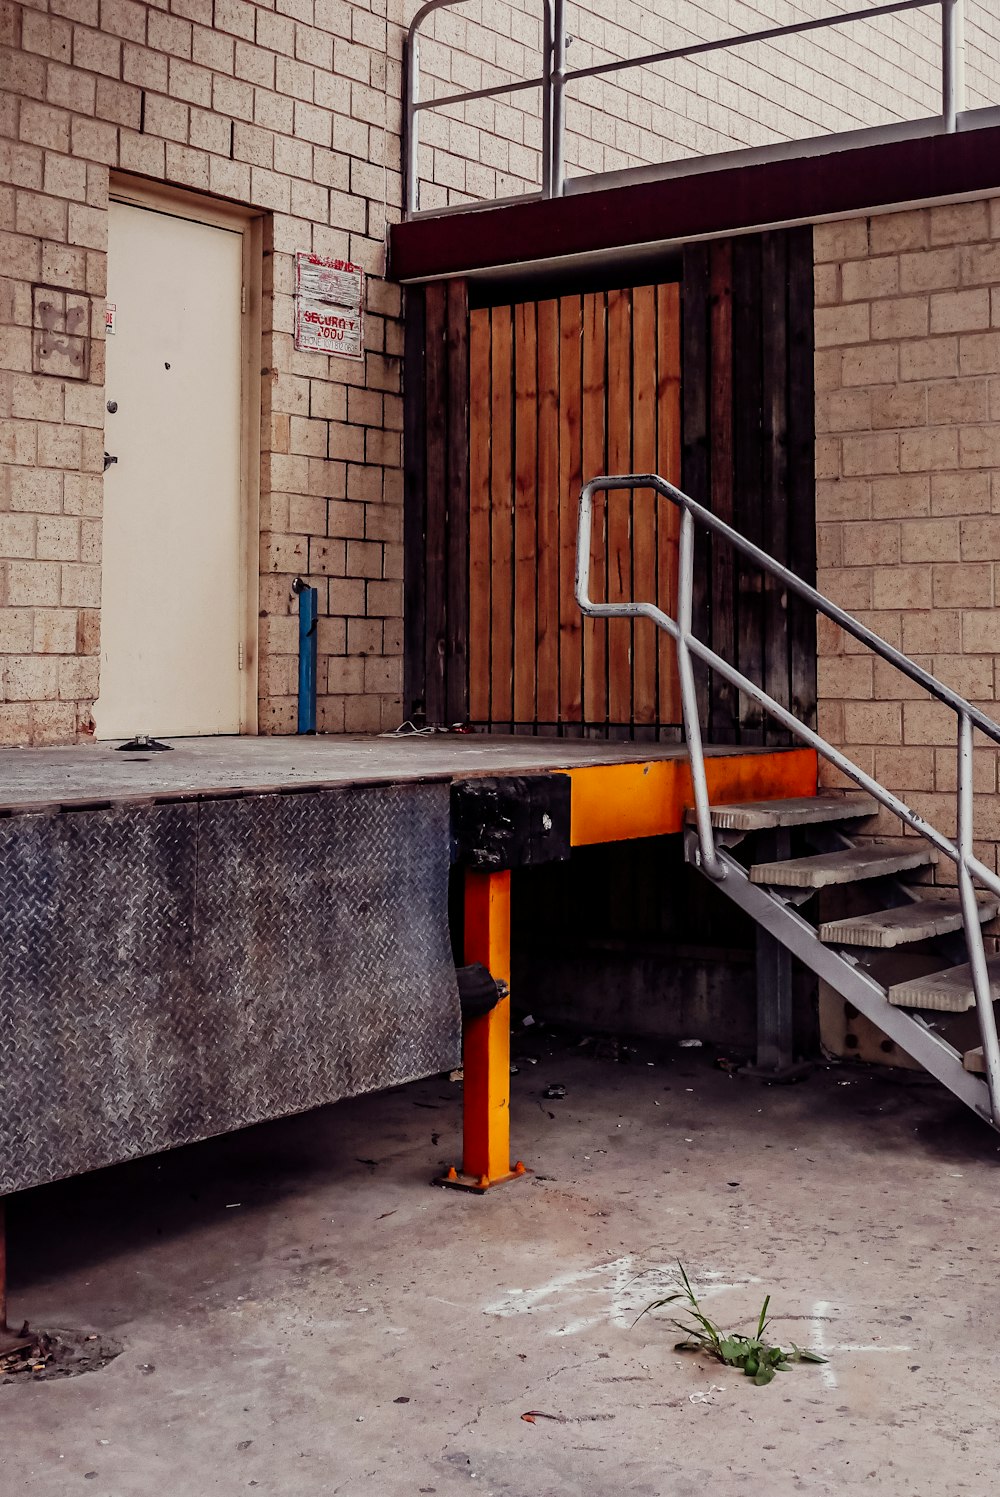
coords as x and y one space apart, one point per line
844 903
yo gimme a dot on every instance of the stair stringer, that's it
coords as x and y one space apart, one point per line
843 974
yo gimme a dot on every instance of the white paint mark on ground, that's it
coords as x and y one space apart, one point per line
618 1292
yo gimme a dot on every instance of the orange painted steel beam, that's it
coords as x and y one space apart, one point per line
618 802
486 1043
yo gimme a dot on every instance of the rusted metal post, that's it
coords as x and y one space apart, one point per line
9 1340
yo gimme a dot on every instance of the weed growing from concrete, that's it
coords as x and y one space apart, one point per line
755 1356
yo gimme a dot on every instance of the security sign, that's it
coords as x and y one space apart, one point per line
329 296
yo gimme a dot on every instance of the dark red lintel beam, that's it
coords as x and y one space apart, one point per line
708 203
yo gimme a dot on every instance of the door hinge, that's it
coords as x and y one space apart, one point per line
243 300
239 654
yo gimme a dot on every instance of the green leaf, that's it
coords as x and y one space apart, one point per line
804 1355
762 1322
764 1376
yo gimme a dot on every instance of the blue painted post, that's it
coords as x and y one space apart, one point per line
308 608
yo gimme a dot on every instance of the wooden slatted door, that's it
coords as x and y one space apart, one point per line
560 392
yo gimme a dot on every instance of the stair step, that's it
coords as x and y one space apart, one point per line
759 816
918 921
949 991
849 866
973 1060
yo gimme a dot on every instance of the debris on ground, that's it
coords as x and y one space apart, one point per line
690 1044
53 1354
456 1075
554 1092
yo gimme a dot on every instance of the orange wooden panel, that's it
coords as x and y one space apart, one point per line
479 516
618 802
619 506
595 631
570 483
502 520
645 643
668 465
547 684
525 503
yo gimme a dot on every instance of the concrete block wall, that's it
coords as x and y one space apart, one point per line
866 73
908 491
290 108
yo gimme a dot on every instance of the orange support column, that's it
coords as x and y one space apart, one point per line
486 1043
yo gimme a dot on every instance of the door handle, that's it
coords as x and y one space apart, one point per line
108 460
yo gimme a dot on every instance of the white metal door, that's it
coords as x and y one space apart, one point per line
172 586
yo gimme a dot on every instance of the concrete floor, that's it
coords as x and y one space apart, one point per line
302 1314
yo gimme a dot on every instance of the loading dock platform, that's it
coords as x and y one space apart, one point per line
243 928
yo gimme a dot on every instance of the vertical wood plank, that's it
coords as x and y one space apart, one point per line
595 632
436 470
525 501
644 505
801 485
547 691
619 506
501 522
414 504
695 465
723 720
748 471
570 483
457 511
775 441
668 465
479 516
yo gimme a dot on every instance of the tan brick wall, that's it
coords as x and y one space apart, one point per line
292 109
908 489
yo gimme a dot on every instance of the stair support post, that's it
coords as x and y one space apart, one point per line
773 961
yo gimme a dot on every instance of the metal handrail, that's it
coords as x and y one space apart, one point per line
689 647
555 76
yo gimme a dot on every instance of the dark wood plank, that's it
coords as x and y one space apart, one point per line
547 688
801 485
723 719
695 464
748 471
595 631
436 630
457 513
502 521
774 359
570 483
525 507
619 506
644 504
479 516
414 504
668 466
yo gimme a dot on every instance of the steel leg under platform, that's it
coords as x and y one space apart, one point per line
486 1043
9 1340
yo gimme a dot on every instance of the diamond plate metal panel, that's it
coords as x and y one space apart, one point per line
176 971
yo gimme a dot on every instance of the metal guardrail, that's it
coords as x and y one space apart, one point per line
555 77
689 647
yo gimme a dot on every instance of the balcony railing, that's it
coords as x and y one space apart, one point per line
555 77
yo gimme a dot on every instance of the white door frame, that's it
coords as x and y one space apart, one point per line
244 221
